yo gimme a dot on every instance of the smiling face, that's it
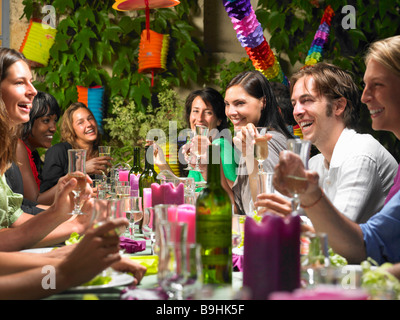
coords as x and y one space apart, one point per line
203 114
381 95
18 92
84 125
242 108
43 130
313 113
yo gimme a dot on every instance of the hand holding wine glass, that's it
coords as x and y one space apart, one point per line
296 181
261 146
199 148
77 170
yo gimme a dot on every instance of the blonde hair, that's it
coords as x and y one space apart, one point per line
386 52
67 130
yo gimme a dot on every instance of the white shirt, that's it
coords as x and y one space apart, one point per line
359 176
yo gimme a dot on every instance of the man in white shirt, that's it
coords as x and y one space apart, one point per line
355 170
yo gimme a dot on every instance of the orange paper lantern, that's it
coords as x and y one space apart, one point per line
153 52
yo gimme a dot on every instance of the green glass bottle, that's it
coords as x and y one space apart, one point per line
134 173
148 176
214 225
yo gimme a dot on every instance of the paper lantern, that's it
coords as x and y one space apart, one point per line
250 35
153 53
128 5
320 39
38 40
93 98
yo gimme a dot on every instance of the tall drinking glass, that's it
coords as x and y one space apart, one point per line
77 170
261 147
297 183
104 151
199 148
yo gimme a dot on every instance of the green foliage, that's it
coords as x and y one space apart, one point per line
97 45
129 127
293 25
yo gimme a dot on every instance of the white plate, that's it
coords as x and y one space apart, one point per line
38 250
117 279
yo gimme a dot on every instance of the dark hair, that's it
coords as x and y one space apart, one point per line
282 95
257 85
333 83
8 134
211 97
44 104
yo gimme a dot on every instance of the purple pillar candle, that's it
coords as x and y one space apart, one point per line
271 259
261 256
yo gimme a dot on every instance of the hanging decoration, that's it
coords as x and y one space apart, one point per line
251 37
93 98
320 39
152 52
38 40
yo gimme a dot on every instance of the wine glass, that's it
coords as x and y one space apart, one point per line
104 151
77 170
260 147
198 145
296 183
122 191
265 185
188 154
132 207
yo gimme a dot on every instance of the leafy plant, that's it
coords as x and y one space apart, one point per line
129 127
97 45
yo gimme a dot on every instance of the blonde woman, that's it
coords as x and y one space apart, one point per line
78 131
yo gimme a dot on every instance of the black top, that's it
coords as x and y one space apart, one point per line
55 165
15 182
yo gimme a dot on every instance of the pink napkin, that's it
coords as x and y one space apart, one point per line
131 246
237 261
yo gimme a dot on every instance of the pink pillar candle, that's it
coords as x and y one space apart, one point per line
147 203
123 175
167 193
187 213
271 258
134 183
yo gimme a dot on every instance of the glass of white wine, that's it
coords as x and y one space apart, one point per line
296 183
199 148
261 147
77 170
132 207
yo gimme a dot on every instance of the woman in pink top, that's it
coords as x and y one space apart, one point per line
37 133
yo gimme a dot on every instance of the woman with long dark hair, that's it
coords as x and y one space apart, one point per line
250 103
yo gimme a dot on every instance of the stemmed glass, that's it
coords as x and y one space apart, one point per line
296 183
77 170
188 154
261 147
265 185
104 151
132 206
198 147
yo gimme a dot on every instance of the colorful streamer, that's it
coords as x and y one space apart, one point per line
320 39
250 35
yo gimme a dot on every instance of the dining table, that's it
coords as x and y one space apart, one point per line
147 289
